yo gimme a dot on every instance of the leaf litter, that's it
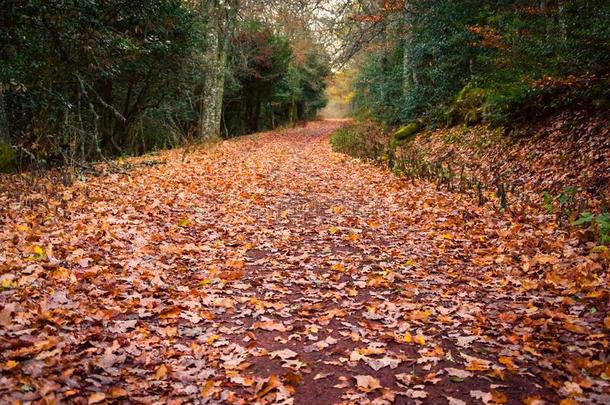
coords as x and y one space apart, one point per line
270 270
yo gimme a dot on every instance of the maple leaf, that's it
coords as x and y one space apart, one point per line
272 383
269 326
457 374
284 354
366 383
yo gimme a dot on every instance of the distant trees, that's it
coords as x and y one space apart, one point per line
271 84
84 79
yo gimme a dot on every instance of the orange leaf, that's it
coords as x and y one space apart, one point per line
272 383
161 372
96 397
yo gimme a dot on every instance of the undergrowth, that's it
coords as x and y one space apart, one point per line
569 207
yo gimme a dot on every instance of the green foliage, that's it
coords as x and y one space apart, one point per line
378 88
601 222
519 104
7 157
269 86
84 78
349 141
507 63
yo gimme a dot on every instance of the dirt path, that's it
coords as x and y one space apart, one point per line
270 270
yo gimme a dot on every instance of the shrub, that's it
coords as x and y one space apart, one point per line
601 222
349 141
519 104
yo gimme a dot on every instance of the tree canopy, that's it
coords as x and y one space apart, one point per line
83 80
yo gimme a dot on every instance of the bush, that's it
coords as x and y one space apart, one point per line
601 222
520 104
7 158
348 140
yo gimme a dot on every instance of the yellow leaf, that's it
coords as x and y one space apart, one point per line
184 222
11 364
212 339
38 250
595 294
208 388
420 340
338 267
407 338
508 363
420 315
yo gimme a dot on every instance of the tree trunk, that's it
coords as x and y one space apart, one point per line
562 20
409 76
4 132
221 22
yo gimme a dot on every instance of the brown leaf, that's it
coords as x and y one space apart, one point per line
272 383
366 383
96 397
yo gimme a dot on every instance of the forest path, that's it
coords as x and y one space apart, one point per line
270 269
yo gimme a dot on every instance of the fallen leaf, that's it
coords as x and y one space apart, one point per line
161 372
96 397
366 383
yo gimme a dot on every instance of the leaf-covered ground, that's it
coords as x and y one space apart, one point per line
270 270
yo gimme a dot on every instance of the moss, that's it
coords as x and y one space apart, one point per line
468 106
471 97
408 132
7 158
